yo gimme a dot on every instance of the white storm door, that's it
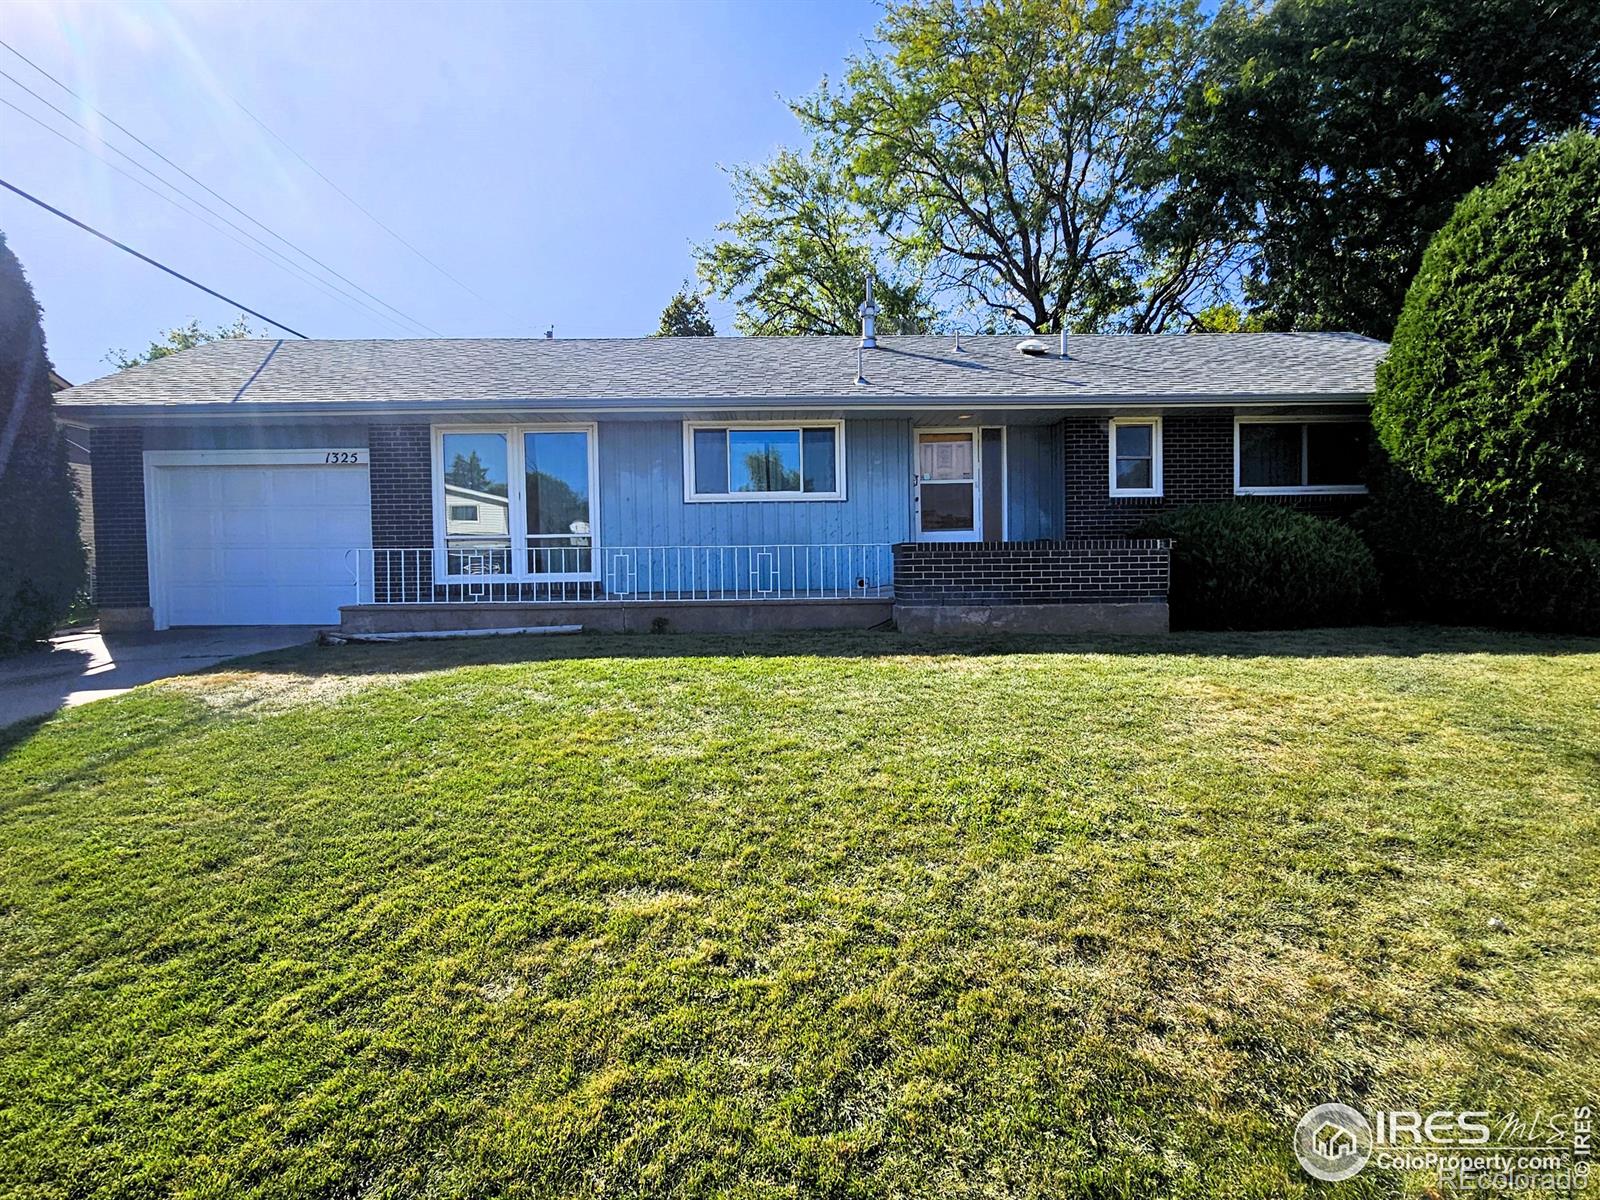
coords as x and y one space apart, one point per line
947 485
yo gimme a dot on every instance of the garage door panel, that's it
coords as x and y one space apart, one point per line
348 528
192 525
189 489
337 486
245 527
241 564
295 486
243 485
290 567
257 545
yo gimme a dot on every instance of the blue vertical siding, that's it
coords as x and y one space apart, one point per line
1035 487
642 504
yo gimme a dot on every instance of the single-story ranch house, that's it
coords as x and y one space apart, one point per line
697 483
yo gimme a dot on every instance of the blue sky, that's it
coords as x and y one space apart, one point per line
558 158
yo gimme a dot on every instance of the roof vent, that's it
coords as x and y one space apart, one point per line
1036 347
869 319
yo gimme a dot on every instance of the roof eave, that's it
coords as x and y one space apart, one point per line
113 412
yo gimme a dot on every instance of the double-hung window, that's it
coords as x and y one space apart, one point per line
1136 456
1310 455
516 502
763 461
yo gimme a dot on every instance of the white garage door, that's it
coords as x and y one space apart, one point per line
255 545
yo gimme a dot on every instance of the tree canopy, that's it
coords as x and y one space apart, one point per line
997 164
1490 395
1131 165
1019 149
1336 136
180 338
685 315
795 258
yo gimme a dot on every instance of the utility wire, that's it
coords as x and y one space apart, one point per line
218 195
160 266
278 259
359 206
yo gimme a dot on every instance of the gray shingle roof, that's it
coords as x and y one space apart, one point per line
601 373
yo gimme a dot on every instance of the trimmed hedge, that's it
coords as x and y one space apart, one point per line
1243 565
1490 393
1441 562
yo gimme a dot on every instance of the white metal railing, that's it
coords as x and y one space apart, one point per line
487 572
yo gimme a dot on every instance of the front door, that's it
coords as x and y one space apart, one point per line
947 500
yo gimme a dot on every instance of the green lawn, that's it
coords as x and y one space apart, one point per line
832 915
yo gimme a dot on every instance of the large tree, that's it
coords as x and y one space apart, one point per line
1019 148
1338 135
181 338
41 559
796 257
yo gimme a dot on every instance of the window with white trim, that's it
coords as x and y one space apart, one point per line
1136 456
1286 456
516 502
763 461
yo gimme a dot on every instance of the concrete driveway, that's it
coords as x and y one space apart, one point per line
80 667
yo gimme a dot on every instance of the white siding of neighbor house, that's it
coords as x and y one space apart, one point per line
494 513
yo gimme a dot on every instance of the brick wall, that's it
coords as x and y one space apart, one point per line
400 468
122 568
1082 571
400 458
1197 468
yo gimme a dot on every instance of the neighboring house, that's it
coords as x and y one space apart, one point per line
77 439
469 513
708 482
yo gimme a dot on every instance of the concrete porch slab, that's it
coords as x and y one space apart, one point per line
1133 617
611 616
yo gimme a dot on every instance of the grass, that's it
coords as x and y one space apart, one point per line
844 915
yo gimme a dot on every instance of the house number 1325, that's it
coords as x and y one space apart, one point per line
342 458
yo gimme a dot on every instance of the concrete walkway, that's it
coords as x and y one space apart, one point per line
80 667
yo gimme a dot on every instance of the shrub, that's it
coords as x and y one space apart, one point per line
1490 394
41 559
1441 562
1261 566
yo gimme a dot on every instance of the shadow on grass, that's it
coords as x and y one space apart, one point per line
399 658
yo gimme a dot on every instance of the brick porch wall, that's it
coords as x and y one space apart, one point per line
400 467
1197 468
122 565
400 470
1079 571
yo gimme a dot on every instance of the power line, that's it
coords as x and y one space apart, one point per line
160 266
212 191
359 206
278 260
